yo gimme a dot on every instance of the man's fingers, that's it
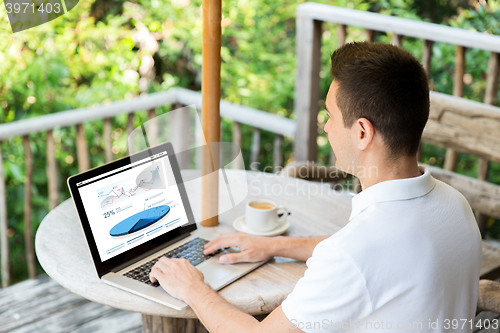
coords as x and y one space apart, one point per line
217 245
233 258
226 240
164 260
155 271
230 235
214 243
159 268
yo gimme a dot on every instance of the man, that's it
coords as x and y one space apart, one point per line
409 257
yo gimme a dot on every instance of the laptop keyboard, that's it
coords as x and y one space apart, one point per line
192 251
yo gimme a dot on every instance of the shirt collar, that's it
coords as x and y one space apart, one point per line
394 190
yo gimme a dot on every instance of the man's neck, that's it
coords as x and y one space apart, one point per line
405 167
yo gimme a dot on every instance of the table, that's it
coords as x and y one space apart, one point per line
315 209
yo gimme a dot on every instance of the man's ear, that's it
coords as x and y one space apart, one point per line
364 133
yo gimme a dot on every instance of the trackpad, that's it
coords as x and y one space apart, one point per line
215 273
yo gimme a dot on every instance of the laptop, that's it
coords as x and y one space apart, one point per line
135 210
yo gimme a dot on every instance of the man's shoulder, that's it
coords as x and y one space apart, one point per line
443 209
447 192
451 203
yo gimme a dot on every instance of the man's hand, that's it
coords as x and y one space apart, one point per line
183 281
253 248
179 278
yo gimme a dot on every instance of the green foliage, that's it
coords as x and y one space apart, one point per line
93 55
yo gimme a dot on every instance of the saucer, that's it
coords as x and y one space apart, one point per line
240 225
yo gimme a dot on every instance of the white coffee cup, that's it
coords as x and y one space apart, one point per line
262 215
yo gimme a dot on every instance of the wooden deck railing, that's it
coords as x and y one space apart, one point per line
260 120
474 133
310 17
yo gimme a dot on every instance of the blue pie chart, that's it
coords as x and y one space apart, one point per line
139 221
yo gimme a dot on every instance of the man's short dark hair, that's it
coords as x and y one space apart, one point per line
386 85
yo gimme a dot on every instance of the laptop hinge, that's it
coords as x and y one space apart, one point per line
150 252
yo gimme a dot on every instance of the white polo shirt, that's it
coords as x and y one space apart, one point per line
408 260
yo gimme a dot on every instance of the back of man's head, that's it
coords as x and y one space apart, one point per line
386 85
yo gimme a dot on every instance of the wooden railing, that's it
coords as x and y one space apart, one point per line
260 120
310 17
472 138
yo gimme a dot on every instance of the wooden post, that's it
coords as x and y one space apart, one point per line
152 129
237 144
199 139
369 35
82 149
130 129
482 174
490 97
210 90
130 123
492 79
396 39
108 143
308 49
426 63
28 235
277 155
426 59
451 158
221 147
180 135
341 34
4 239
255 148
52 172
458 78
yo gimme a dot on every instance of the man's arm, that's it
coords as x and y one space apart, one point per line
300 248
255 248
182 280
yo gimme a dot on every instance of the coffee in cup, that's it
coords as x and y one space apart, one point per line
262 215
261 205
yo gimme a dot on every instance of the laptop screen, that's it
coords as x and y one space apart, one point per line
132 204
